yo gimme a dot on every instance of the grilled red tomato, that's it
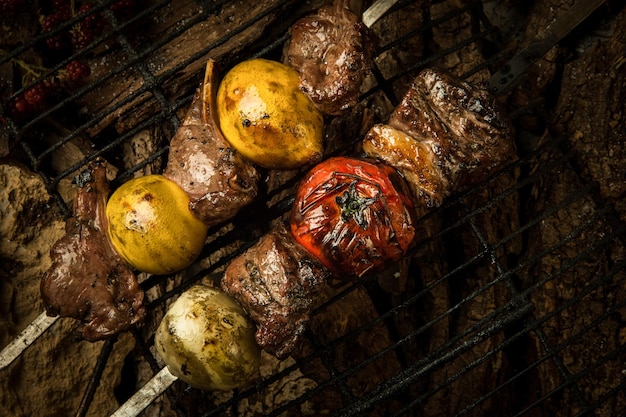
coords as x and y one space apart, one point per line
354 215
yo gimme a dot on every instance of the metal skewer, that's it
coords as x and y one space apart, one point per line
557 30
26 338
376 11
146 394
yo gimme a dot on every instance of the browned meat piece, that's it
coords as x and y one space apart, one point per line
216 178
87 280
332 51
415 159
466 129
278 283
457 136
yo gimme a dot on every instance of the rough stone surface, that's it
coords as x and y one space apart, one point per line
50 377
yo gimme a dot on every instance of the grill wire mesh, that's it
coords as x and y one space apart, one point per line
471 330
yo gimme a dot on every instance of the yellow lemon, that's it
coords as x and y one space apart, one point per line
151 227
265 116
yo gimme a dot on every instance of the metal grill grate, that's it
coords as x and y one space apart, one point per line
492 317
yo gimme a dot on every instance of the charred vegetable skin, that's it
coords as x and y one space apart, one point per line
265 115
151 227
207 340
354 215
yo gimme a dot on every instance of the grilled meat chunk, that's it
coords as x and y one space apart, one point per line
332 51
278 283
216 178
460 136
88 280
415 159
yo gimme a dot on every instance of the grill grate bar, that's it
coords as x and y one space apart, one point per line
334 373
569 378
476 258
436 56
495 259
562 369
101 152
32 42
535 324
452 349
96 376
421 30
518 187
149 79
433 361
117 29
151 83
431 24
321 352
569 238
571 381
482 335
611 394
531 326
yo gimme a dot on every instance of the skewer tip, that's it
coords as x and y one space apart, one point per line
376 11
146 394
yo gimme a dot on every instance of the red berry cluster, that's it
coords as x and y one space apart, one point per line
77 70
88 29
73 38
123 9
32 101
59 44
77 37
42 94
9 7
59 41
